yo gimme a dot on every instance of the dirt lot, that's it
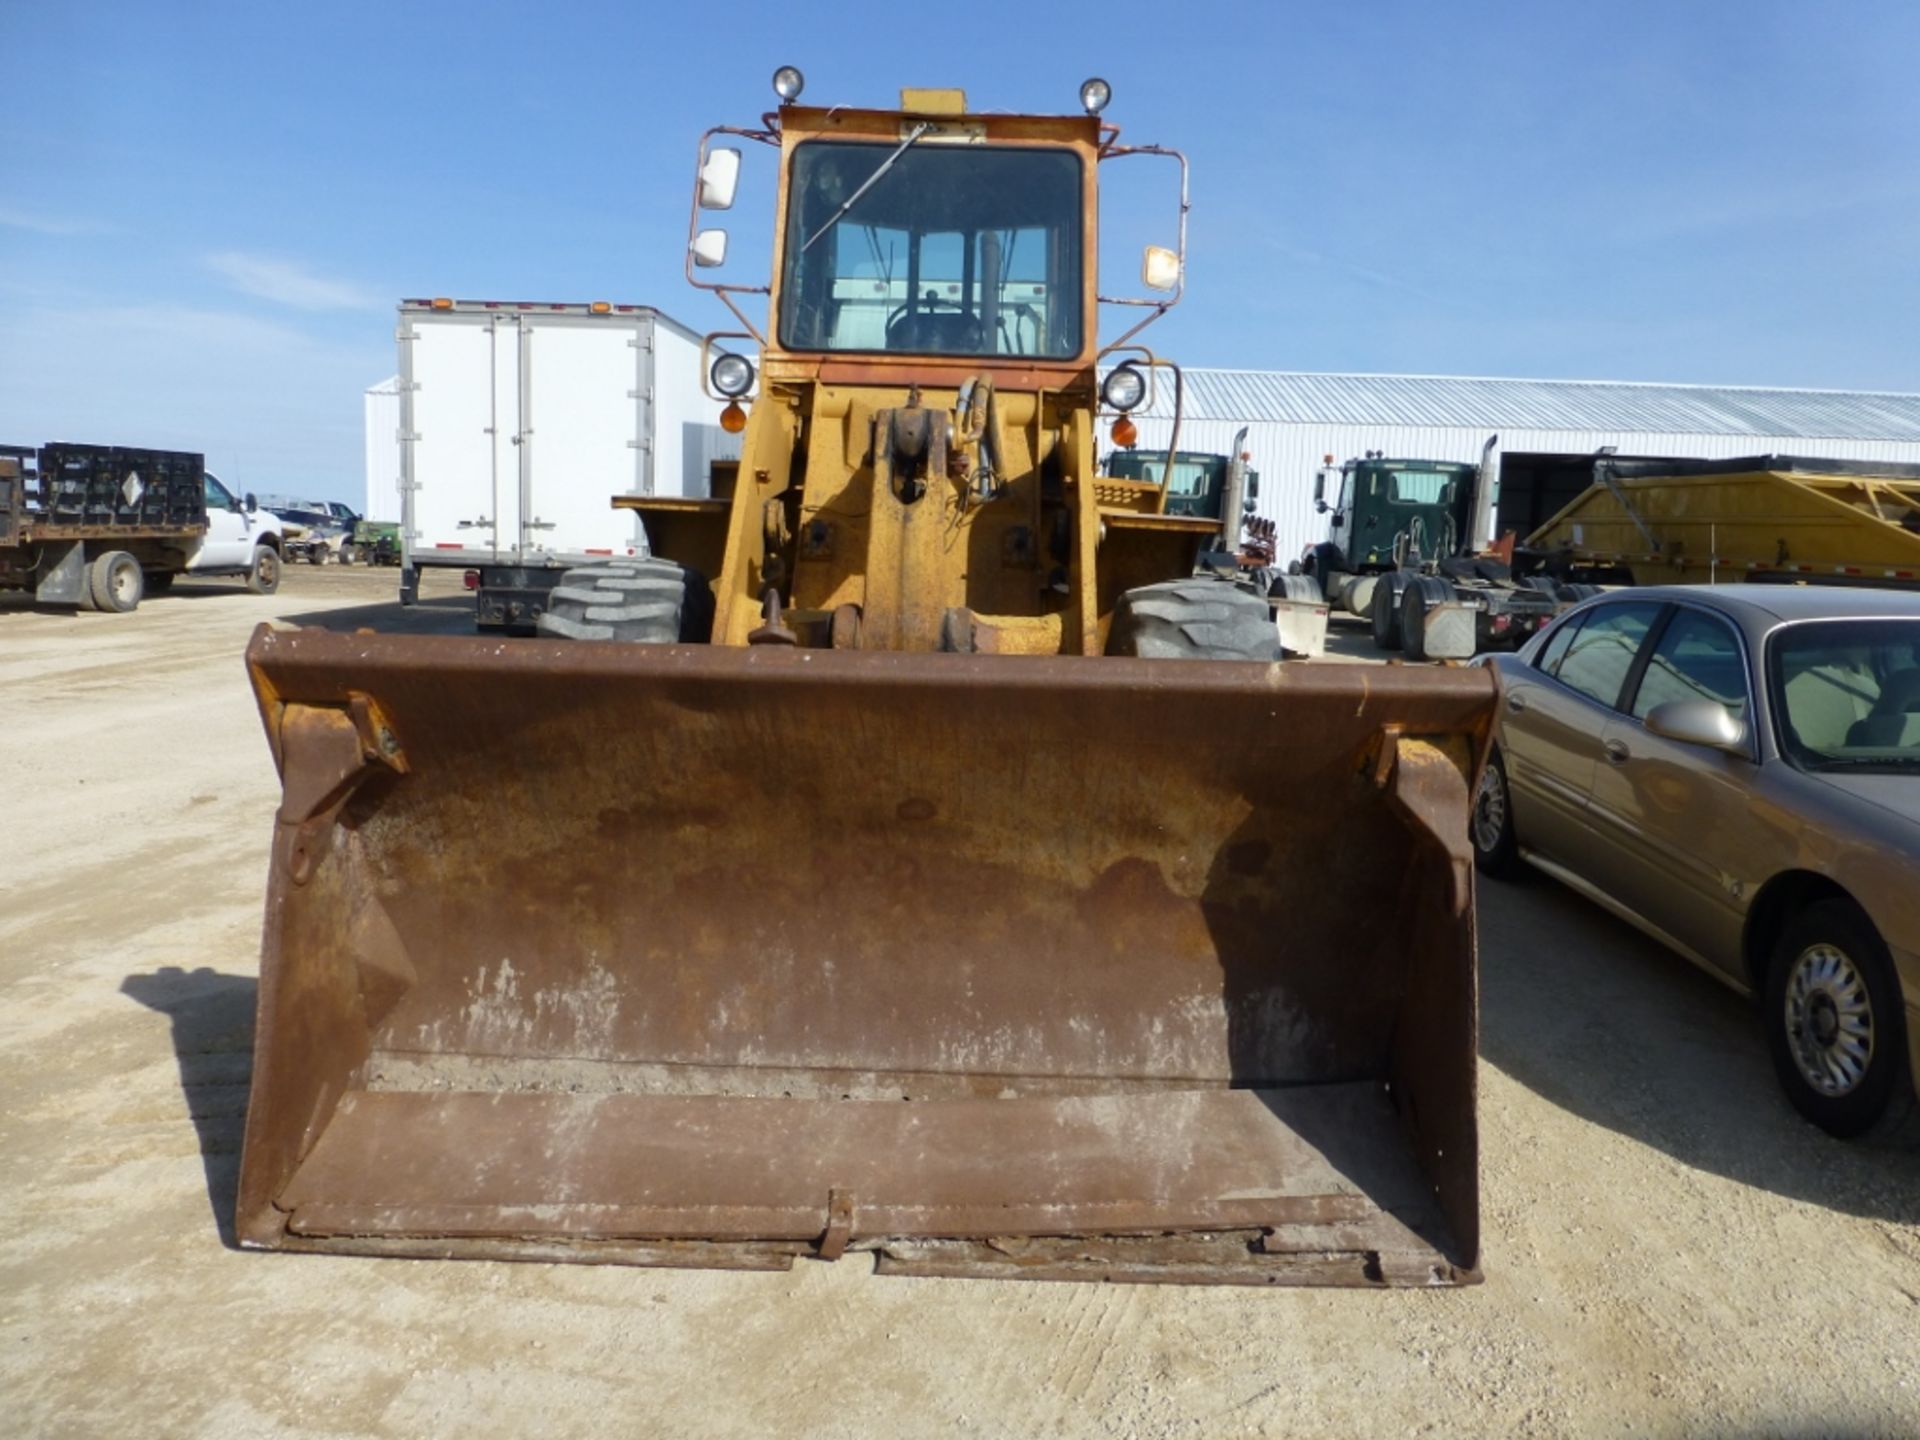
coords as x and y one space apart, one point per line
1669 1250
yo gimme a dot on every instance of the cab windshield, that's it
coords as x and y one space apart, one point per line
953 250
1847 694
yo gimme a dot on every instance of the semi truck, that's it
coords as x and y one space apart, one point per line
517 419
98 527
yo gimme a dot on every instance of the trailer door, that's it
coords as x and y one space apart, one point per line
459 455
586 393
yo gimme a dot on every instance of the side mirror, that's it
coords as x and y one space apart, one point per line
719 178
1698 722
250 504
1320 488
1160 269
710 249
1253 484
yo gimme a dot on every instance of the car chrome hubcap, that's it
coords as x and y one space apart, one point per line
1489 811
1829 1020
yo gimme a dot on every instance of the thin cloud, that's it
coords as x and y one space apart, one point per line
58 225
286 282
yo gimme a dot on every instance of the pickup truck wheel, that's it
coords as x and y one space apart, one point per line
318 553
115 582
1832 1007
1200 619
1495 850
349 553
263 578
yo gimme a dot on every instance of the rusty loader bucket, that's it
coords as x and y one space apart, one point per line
991 965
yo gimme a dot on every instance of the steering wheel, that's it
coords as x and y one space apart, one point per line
916 337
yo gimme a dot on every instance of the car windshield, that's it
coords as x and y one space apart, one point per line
1847 694
954 250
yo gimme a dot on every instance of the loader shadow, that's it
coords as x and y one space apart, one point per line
445 615
213 1017
1607 1024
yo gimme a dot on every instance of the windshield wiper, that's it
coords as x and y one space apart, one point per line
867 184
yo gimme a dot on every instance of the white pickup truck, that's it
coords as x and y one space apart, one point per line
99 527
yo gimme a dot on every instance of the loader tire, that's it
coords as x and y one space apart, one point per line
635 602
1195 619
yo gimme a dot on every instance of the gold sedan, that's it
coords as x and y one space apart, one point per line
1735 769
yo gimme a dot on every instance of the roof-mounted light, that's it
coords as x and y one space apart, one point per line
1094 95
788 82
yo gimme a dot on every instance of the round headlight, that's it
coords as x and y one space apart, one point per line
1094 95
732 375
788 82
1125 387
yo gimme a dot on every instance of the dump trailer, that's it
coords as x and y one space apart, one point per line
855 871
1765 517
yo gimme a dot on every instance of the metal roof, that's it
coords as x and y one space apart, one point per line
1298 397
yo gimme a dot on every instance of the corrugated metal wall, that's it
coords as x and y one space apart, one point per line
1288 453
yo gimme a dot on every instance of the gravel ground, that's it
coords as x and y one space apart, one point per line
1669 1250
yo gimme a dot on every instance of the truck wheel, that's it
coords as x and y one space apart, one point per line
1495 850
1196 619
159 582
1574 594
263 577
318 552
115 583
349 553
1385 610
1833 1020
636 602
1298 587
1423 593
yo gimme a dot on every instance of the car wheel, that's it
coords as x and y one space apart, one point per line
1833 1020
1495 850
264 576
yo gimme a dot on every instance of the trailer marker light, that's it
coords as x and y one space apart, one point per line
471 579
442 303
600 307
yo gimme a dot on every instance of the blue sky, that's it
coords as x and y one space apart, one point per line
207 211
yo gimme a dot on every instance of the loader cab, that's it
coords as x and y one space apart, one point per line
934 248
1383 507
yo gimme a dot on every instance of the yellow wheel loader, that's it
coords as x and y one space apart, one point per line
911 855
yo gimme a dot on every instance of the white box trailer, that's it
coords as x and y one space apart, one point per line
519 423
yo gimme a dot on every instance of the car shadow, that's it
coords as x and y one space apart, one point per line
1589 1013
212 1017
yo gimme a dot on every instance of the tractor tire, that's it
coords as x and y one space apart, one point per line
1196 619
115 582
263 576
1384 612
634 602
1422 594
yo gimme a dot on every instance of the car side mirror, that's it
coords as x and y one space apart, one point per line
250 504
1698 722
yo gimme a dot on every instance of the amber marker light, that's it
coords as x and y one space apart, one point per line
733 419
1125 432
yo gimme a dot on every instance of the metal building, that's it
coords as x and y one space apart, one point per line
1539 435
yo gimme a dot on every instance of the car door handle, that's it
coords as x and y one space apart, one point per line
1617 751
1516 702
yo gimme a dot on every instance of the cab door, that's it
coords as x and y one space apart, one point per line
227 544
1670 819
